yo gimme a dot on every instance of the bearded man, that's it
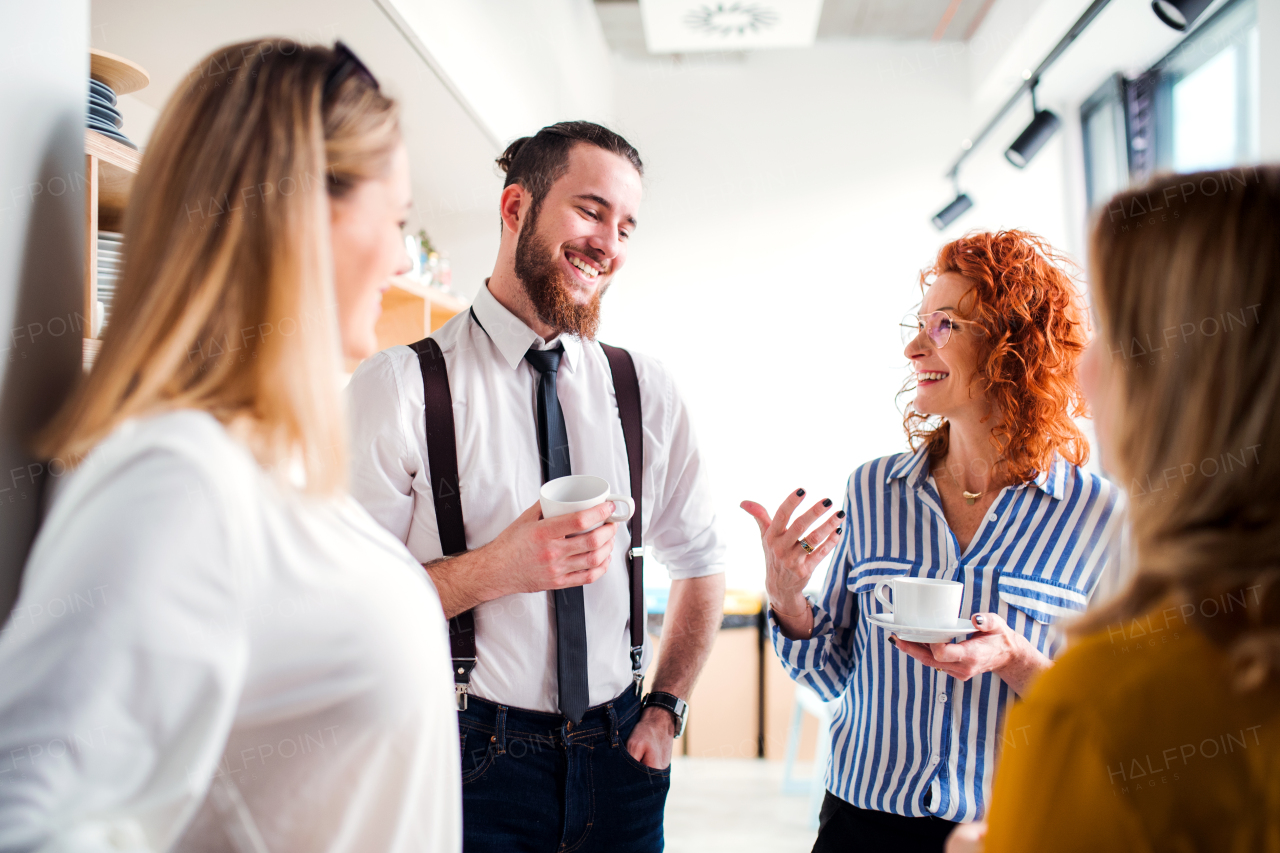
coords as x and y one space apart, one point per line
559 752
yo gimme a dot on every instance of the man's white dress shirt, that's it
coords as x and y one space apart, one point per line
203 659
495 419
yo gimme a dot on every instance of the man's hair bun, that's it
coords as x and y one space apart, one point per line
509 156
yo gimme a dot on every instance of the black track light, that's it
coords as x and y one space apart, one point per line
1179 14
1031 140
952 211
1044 124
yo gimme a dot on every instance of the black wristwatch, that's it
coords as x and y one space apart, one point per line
677 706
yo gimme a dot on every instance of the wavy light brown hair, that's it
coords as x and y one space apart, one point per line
1034 331
225 302
1186 284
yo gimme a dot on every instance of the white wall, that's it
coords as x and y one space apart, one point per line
43 101
520 65
786 217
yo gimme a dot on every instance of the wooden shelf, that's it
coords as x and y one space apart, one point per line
410 312
117 166
117 72
109 170
437 297
441 306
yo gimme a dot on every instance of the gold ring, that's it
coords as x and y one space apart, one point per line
808 549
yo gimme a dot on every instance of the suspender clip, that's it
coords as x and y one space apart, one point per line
462 679
636 552
637 674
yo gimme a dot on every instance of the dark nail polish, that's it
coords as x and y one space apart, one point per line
893 640
978 620
826 502
799 493
838 530
840 514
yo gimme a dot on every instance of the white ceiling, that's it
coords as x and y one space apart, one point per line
903 20
908 20
688 26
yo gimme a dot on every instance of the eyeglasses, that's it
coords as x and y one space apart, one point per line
936 324
345 63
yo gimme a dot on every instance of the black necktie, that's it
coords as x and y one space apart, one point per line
571 616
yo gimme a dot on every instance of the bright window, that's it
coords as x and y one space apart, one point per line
1206 106
1106 159
1206 109
1197 108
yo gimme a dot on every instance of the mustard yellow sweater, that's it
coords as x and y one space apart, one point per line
1136 741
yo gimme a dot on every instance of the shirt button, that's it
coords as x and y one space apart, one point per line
991 517
942 697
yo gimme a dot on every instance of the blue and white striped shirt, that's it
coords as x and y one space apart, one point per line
903 729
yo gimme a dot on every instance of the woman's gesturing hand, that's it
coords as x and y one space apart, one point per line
788 566
994 648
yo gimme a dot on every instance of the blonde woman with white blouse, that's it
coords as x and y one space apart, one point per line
251 663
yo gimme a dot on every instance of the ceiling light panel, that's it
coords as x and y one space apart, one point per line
688 26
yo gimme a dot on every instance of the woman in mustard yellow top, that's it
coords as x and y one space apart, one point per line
1159 729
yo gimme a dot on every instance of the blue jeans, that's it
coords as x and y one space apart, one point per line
536 783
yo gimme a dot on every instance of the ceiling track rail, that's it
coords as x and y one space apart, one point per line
1031 81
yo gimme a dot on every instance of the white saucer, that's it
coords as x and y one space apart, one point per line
963 628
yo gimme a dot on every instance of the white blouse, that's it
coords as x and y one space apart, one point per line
202 659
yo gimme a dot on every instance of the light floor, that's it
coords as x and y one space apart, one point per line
735 805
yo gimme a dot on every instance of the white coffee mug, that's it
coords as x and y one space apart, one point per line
922 602
566 495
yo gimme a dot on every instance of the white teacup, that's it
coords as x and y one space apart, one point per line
567 495
922 602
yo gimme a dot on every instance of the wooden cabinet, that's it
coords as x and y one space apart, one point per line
743 703
411 311
109 169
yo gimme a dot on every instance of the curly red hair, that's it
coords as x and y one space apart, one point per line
1036 331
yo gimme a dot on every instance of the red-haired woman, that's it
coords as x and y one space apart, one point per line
990 496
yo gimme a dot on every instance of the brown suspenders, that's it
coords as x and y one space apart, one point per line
442 470
442 467
626 387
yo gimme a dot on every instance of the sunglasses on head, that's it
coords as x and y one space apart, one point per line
345 63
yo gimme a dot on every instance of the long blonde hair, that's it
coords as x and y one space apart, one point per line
1186 285
226 302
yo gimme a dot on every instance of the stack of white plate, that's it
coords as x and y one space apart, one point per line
104 113
110 263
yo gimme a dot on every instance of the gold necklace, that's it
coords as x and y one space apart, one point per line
970 497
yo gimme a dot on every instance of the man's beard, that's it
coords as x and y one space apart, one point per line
546 284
